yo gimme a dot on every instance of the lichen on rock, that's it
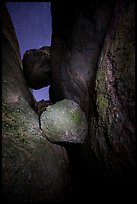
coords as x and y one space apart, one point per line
64 122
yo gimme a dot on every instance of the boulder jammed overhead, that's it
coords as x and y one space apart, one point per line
36 67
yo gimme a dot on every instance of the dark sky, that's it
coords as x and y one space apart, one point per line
32 23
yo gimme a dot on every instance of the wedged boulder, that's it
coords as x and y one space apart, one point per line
33 169
37 68
64 122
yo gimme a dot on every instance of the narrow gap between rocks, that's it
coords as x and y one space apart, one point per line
33 32
40 94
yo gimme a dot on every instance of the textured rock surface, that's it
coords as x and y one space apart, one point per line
41 106
107 97
77 38
10 34
112 130
64 122
10 73
36 67
33 170
36 170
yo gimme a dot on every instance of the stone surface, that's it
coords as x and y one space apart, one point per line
64 122
36 67
33 169
98 73
41 106
77 39
10 34
112 129
13 65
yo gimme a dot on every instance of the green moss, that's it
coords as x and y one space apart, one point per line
102 103
100 80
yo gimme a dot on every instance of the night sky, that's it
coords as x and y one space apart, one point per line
32 23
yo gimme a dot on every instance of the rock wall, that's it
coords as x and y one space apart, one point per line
92 58
78 32
112 126
33 170
92 63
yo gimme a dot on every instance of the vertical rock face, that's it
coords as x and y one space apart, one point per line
112 127
101 80
92 64
9 33
77 38
33 170
9 74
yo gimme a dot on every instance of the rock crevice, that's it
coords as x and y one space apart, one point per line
33 169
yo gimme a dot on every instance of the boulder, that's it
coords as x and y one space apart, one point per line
64 122
37 68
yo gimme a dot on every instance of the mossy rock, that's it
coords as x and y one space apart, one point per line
64 122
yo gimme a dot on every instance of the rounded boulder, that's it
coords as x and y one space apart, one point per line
64 122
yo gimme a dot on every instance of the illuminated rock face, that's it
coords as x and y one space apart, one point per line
64 122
